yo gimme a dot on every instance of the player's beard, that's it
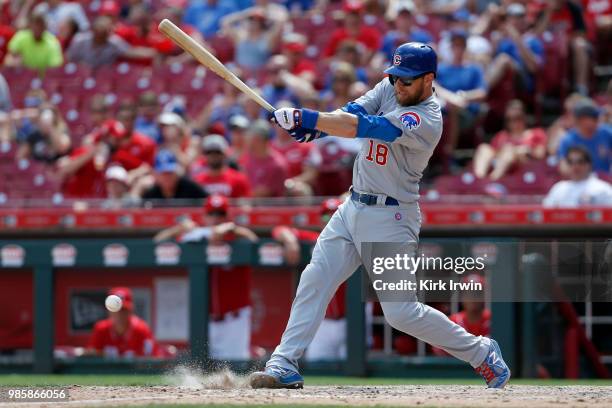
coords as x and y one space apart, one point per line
412 99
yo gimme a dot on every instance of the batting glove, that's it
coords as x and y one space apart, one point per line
303 135
292 118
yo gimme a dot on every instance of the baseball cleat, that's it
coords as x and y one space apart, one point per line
276 377
494 369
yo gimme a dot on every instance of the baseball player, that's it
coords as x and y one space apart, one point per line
401 124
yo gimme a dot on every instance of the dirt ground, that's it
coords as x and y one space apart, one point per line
522 396
185 386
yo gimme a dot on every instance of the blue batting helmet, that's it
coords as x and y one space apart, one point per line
413 59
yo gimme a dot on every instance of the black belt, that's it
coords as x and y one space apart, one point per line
370 199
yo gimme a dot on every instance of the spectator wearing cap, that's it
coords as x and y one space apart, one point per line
123 334
513 146
265 168
400 16
35 47
230 286
461 85
101 46
146 122
583 187
474 316
254 34
117 183
595 137
519 50
293 48
206 15
176 137
218 177
169 183
303 161
354 29
119 192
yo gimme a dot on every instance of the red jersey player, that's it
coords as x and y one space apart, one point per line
123 333
230 286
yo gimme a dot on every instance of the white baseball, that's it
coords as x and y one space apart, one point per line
113 303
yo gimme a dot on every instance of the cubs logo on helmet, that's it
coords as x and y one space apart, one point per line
397 59
411 120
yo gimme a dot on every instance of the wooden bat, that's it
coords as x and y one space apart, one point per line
205 58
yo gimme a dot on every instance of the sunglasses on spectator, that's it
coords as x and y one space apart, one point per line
213 152
577 162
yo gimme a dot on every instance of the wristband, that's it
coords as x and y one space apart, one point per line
309 118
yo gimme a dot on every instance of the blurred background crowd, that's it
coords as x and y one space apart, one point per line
95 103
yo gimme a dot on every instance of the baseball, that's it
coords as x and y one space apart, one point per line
113 303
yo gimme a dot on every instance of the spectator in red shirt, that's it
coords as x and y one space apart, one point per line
293 48
82 172
218 178
265 168
354 29
131 149
514 145
230 286
475 317
142 32
123 334
303 161
329 342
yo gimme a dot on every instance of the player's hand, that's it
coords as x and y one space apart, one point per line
288 118
303 135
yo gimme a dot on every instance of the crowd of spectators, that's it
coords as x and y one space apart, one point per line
94 95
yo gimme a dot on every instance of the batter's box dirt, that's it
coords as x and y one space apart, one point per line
521 396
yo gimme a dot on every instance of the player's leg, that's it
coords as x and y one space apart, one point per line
412 317
333 260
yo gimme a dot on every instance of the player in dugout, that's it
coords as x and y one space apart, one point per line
229 329
123 334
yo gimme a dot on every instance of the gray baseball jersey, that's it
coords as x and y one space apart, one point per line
395 169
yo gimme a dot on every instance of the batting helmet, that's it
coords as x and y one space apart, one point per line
412 60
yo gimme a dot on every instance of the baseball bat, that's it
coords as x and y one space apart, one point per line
205 58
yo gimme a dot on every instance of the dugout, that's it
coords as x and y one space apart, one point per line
37 260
